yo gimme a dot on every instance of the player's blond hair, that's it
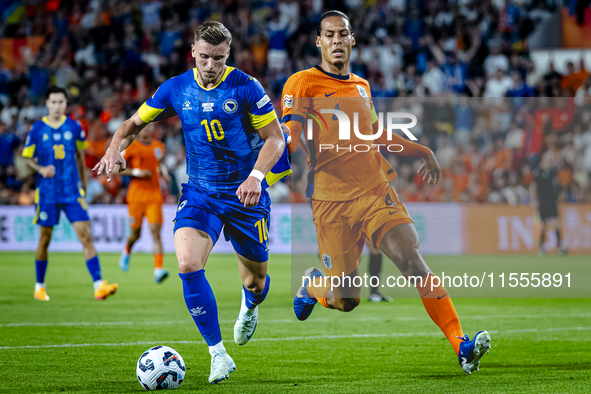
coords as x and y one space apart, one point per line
213 33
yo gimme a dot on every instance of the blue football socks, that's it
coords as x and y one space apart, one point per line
251 299
202 306
40 268
94 268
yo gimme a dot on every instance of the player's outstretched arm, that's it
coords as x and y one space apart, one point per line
249 192
132 172
122 138
430 167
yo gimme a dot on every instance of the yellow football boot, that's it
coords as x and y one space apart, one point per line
41 295
105 290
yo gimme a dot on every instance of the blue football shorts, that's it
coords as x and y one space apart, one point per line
246 228
48 215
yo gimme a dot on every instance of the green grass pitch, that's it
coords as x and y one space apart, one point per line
77 344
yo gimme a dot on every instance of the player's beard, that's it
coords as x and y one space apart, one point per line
207 80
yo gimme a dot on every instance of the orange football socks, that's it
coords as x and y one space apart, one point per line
441 310
319 292
158 261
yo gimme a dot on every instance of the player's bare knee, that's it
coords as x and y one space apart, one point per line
346 304
155 235
189 265
414 265
86 238
135 235
255 286
44 241
255 283
351 303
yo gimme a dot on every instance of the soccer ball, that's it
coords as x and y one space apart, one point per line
159 368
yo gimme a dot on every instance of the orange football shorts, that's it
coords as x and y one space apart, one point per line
137 212
343 226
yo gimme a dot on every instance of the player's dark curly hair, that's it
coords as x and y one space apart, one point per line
328 14
213 33
55 89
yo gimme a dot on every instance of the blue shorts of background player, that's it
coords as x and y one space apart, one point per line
246 228
48 215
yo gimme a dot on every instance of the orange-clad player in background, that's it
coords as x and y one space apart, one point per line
144 197
350 195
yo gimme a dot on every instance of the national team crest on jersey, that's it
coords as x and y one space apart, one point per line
362 91
326 261
158 153
363 94
230 106
68 135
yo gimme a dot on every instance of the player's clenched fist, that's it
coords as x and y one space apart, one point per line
111 158
249 192
47 172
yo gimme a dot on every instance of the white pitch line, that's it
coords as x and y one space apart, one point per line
130 323
298 338
284 321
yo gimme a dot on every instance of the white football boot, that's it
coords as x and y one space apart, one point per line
221 366
246 323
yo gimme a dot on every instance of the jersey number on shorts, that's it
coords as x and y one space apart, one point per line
215 128
263 228
82 203
59 152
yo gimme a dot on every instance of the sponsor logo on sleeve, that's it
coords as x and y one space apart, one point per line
263 101
287 101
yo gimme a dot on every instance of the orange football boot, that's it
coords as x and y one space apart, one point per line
105 290
41 294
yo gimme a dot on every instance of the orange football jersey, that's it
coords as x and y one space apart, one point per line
342 170
145 157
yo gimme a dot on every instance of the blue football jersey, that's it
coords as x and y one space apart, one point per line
56 145
219 126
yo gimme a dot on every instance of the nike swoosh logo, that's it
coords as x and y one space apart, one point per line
392 213
328 95
443 296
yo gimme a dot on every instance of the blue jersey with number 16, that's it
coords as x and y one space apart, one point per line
219 126
56 145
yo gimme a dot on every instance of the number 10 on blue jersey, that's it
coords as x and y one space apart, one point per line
216 128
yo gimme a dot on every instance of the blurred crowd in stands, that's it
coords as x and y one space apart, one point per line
449 59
